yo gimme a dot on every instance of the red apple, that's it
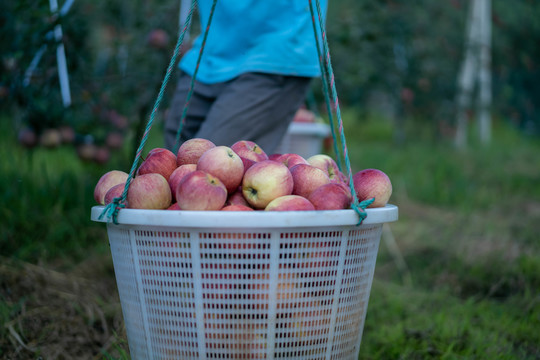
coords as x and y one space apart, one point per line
223 163
115 192
200 190
290 203
67 134
265 181
307 178
114 140
237 198
372 183
332 196
27 137
191 150
149 191
174 206
325 163
291 159
249 152
106 182
177 175
158 161
158 39
102 155
274 156
236 207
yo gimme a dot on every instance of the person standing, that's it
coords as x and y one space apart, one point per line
256 68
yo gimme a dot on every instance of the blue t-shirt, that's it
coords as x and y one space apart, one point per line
269 36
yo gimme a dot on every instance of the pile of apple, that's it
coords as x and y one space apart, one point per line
203 176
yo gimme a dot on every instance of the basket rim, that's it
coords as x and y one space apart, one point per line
307 128
247 219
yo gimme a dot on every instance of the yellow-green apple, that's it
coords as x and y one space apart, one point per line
149 191
325 163
191 150
50 138
159 161
236 207
290 203
200 190
115 192
332 196
265 181
249 152
107 181
291 159
236 198
177 175
223 163
372 183
307 178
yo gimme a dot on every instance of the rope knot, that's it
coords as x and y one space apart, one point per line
360 209
112 209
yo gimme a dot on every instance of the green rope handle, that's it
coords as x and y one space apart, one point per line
112 209
324 78
192 84
329 76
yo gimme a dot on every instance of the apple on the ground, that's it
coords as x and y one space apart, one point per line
307 178
372 183
290 203
265 181
107 181
149 191
200 190
160 161
191 150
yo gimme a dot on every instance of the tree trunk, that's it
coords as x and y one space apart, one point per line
484 76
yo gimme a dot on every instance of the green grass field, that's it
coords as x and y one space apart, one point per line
457 276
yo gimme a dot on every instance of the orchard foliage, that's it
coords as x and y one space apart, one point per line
394 56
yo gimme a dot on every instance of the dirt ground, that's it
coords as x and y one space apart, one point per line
60 315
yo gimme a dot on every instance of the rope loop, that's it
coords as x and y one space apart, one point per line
120 203
329 87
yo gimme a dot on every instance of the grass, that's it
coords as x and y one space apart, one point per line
464 282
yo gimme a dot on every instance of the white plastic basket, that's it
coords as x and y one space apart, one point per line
304 139
244 285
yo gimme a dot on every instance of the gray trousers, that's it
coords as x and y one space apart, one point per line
254 106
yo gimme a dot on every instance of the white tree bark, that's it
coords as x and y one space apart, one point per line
467 76
484 76
476 68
